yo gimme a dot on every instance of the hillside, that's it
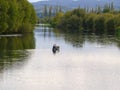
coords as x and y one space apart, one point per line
70 4
76 3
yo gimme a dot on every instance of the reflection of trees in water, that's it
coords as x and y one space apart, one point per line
17 43
47 31
13 49
100 39
78 40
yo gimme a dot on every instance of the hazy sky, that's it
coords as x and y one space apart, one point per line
33 0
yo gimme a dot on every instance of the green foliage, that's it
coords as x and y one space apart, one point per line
110 26
118 31
99 24
26 27
78 20
78 12
71 20
90 22
56 20
74 23
106 9
117 20
15 14
4 6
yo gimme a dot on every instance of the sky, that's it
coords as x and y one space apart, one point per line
33 0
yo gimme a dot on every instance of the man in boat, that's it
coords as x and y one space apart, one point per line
55 48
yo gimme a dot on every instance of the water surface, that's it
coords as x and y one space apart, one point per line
85 62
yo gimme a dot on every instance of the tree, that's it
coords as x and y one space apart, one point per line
79 12
90 22
110 26
95 22
117 20
50 11
16 15
45 11
75 23
106 8
99 24
56 20
4 6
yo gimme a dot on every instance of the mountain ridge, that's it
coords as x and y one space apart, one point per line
67 5
76 3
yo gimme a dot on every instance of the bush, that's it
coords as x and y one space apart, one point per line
16 13
26 27
118 31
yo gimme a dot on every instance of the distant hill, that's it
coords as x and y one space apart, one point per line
76 3
70 4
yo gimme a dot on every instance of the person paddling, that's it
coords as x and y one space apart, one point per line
55 48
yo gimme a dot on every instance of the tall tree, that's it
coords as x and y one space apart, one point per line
15 16
4 6
45 11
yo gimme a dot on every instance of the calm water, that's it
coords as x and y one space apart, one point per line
85 62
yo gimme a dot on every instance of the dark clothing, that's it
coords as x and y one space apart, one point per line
55 48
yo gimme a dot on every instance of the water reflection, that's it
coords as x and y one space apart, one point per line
14 50
82 63
78 40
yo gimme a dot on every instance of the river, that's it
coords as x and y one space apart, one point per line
85 62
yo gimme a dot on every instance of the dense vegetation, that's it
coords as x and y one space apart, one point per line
47 12
99 20
16 16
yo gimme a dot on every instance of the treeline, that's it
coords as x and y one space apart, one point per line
16 16
99 20
46 12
